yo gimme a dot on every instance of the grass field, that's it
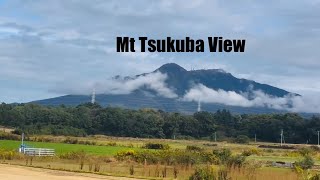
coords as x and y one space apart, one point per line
122 168
63 148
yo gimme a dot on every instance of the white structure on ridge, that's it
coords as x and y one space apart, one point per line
199 105
93 97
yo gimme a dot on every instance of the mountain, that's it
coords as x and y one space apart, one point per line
183 80
180 81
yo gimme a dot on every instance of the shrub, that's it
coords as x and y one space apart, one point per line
17 131
168 157
9 136
74 155
242 139
194 148
208 174
71 141
315 148
42 139
250 152
306 163
306 151
236 161
122 155
223 155
111 144
156 146
203 174
268 150
293 154
315 177
210 144
9 155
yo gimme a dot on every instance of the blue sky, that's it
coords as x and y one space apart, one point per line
52 48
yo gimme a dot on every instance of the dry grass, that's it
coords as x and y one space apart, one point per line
115 168
144 170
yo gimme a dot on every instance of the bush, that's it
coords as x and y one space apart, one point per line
42 139
9 136
156 146
74 155
112 144
122 155
210 144
306 151
315 148
223 155
268 150
250 152
87 142
236 161
315 177
71 141
168 157
203 174
194 148
306 163
293 154
9 155
242 139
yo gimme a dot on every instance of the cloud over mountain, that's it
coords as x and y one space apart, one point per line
211 86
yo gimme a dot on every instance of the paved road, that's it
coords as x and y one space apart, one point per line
11 172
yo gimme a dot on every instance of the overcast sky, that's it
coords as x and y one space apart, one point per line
46 46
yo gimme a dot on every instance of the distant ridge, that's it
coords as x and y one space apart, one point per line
180 81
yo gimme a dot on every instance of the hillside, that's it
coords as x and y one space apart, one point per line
180 81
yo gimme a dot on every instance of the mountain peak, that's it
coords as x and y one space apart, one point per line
171 67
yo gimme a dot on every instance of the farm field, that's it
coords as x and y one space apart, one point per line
64 148
102 153
122 144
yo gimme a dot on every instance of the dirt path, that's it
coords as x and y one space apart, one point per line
11 172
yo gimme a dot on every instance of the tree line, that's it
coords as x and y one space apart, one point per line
90 119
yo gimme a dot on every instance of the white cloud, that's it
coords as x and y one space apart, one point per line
259 99
153 81
208 95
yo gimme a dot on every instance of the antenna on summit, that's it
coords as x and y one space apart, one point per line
93 97
199 105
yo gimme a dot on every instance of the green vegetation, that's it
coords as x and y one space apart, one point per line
202 174
184 159
242 139
90 119
191 155
156 146
64 148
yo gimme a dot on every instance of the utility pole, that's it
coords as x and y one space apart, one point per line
281 137
215 136
22 137
318 138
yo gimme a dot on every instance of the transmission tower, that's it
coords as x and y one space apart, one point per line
199 105
93 97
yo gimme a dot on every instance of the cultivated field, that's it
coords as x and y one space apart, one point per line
130 157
